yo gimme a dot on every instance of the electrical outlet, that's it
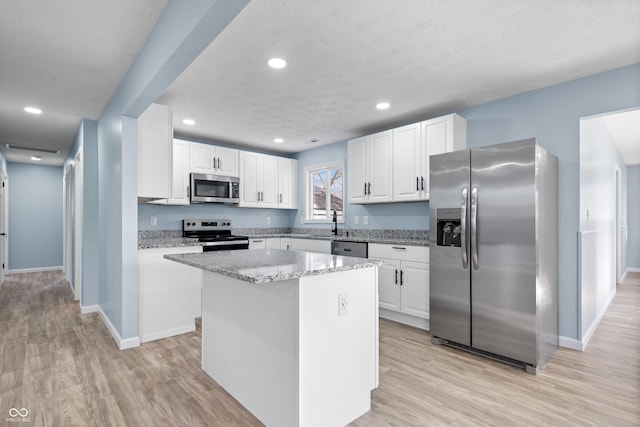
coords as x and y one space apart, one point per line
343 303
268 220
356 220
365 220
153 220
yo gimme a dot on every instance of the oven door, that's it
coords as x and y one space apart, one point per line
225 246
214 189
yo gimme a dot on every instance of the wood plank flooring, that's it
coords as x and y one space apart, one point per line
65 368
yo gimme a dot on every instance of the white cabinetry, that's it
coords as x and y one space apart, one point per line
155 133
273 243
287 183
412 146
169 294
258 180
259 243
370 169
214 160
310 245
179 174
403 285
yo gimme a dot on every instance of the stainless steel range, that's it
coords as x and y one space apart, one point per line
214 233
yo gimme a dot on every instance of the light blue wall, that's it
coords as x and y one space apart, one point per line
179 36
552 115
633 217
402 216
35 216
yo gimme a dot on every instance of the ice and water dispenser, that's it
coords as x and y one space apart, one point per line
449 227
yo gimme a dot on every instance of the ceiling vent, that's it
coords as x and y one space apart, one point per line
36 149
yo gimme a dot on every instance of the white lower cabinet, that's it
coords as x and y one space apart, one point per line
169 294
403 283
311 245
259 243
285 243
272 243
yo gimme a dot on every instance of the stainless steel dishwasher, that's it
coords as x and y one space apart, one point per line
349 248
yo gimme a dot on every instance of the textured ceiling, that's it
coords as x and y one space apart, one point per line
425 57
66 57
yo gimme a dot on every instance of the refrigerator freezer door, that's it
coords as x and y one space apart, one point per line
450 316
504 283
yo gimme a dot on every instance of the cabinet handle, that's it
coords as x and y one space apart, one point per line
365 188
401 279
422 181
417 184
399 247
369 188
280 197
188 191
219 163
396 276
257 241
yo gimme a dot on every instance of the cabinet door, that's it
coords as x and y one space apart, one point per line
202 158
379 173
248 179
273 243
415 289
268 181
287 180
389 285
408 178
285 243
155 135
357 154
257 243
180 173
437 139
226 161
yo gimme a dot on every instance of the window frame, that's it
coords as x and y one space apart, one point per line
308 192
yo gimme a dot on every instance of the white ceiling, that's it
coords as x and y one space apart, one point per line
425 57
66 57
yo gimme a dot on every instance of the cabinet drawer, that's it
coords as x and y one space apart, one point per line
400 252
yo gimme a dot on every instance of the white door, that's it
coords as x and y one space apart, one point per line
389 285
248 179
408 178
77 235
4 220
226 161
379 172
415 289
356 172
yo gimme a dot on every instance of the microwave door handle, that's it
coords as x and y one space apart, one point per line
463 228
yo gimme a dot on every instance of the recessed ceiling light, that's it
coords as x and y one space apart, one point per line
33 110
277 63
189 122
36 158
382 105
278 140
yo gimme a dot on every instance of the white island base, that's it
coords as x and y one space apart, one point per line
284 350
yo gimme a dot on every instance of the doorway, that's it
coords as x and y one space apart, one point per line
4 221
77 245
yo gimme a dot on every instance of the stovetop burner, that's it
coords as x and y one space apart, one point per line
214 233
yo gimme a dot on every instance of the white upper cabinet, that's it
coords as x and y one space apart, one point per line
441 135
412 146
258 180
214 160
370 168
179 174
287 183
155 134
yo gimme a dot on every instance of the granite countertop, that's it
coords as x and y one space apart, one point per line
167 242
271 265
369 239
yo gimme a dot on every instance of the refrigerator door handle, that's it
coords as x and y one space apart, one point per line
474 228
463 228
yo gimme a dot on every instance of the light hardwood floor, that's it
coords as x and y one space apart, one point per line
65 368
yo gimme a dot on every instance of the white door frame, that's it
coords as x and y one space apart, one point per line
618 224
67 226
77 246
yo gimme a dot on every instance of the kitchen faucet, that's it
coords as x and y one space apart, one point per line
334 230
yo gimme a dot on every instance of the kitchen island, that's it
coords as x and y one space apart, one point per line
293 336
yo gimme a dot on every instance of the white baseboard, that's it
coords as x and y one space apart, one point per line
404 318
630 270
84 309
169 333
33 270
571 343
594 325
123 344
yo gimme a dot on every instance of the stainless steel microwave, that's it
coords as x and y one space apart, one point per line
214 189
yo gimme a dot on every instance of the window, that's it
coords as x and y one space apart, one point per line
324 192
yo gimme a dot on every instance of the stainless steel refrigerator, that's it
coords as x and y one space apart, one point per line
493 252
